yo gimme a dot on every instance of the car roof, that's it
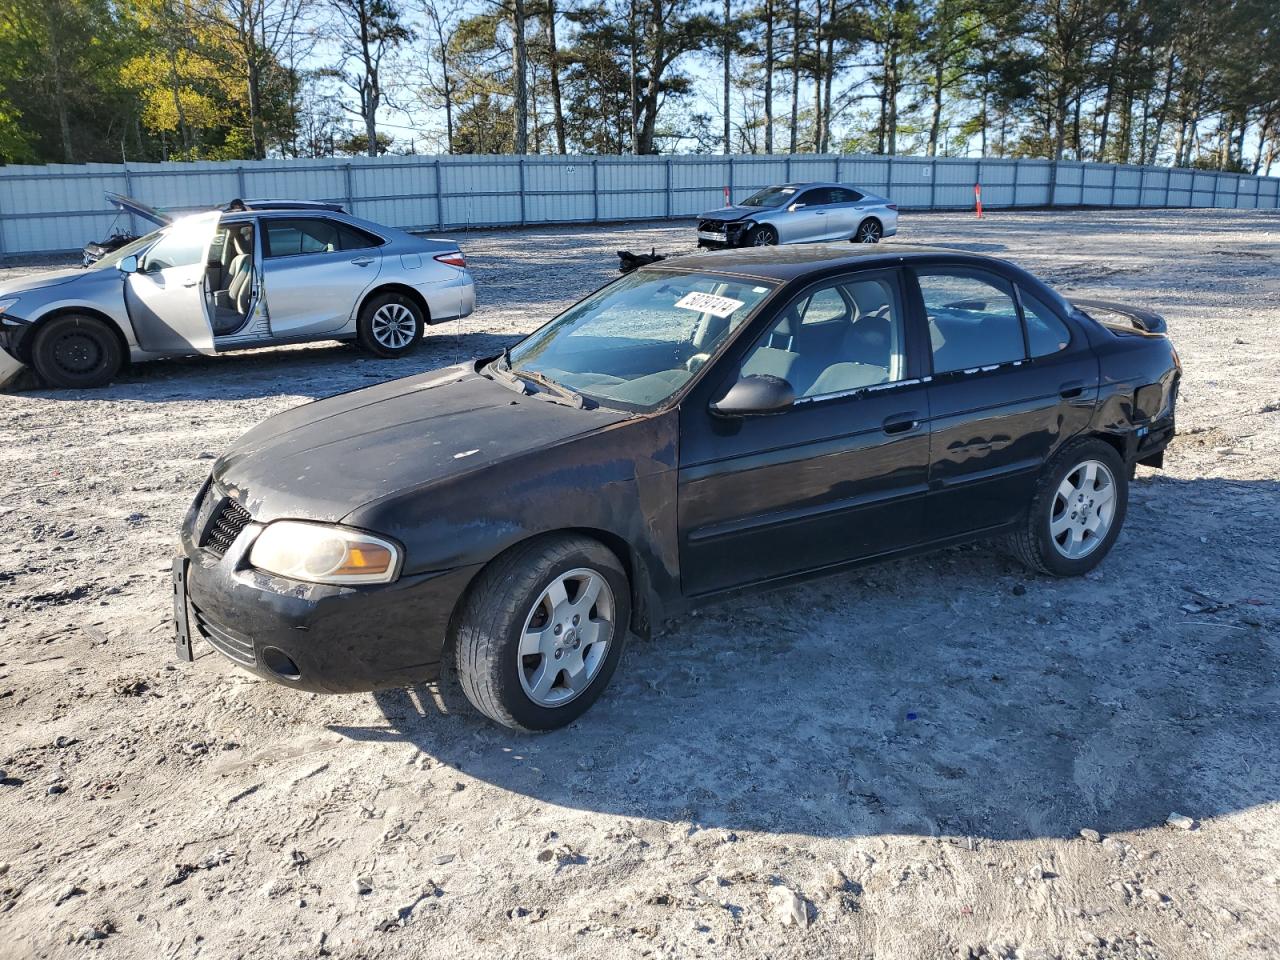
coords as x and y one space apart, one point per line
798 260
807 184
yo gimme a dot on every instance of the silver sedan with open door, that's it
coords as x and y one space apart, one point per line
232 280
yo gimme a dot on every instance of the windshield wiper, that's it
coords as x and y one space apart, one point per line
501 370
557 392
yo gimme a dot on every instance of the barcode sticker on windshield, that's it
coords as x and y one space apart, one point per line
709 303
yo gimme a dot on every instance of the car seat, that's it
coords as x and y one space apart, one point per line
232 305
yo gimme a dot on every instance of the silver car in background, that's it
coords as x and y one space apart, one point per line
800 213
231 280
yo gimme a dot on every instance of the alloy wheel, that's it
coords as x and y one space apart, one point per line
869 232
394 326
566 637
1084 507
764 238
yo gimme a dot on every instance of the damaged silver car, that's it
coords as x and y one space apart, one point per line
234 279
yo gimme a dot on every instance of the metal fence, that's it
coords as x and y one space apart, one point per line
59 207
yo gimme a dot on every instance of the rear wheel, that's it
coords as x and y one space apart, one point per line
541 632
1077 512
390 325
869 231
763 236
76 351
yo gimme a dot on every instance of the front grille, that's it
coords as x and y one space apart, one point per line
229 518
223 639
714 226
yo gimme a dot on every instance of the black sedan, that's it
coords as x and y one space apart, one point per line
698 426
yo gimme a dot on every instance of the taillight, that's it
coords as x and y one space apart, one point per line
454 259
892 206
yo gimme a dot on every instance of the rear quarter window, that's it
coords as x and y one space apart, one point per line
1046 334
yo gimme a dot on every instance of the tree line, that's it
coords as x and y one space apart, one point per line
1185 82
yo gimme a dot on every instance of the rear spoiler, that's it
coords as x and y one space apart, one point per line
1142 319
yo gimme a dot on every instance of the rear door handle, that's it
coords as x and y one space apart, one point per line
1071 389
362 261
901 422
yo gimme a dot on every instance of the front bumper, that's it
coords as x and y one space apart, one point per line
314 637
13 337
734 234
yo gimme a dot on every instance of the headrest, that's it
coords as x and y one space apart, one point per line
868 296
787 323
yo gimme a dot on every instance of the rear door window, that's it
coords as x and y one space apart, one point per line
291 238
973 319
353 238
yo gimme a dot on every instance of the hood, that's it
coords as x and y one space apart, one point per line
730 214
323 460
146 212
38 281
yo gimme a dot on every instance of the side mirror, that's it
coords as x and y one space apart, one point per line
129 264
754 396
794 207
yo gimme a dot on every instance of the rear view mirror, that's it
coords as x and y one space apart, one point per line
754 396
129 264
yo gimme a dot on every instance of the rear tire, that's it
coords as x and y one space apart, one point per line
541 631
869 231
390 325
76 352
1077 511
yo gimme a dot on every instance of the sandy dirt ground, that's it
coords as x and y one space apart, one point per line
893 763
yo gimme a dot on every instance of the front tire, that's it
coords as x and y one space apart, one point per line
541 631
390 325
1077 512
763 236
76 352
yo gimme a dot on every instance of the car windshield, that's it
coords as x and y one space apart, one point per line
770 197
637 341
128 250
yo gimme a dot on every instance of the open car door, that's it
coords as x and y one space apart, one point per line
165 292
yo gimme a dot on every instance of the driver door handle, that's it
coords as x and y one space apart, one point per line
362 261
901 422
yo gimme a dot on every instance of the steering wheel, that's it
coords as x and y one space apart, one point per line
694 363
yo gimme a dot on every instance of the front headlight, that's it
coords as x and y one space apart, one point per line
7 304
321 553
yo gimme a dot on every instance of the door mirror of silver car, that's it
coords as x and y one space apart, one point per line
129 264
794 207
755 396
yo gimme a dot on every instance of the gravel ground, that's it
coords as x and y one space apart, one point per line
893 763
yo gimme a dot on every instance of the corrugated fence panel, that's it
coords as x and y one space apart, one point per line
59 207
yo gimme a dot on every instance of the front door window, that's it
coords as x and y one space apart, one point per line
837 338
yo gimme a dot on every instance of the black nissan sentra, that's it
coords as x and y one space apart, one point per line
698 426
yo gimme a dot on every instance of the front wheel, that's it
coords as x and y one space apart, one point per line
541 632
76 351
763 236
1077 512
869 231
390 325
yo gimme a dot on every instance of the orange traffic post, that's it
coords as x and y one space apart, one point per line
977 198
